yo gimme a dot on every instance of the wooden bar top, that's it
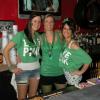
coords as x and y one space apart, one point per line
3 67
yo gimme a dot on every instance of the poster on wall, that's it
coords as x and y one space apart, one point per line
26 7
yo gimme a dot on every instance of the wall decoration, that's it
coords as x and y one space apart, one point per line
26 7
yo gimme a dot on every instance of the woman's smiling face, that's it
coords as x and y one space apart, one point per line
36 22
48 23
67 31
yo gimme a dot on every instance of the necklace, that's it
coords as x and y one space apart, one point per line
50 46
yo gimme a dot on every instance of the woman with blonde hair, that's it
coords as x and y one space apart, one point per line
51 45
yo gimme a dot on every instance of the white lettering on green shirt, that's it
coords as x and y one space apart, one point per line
65 56
29 50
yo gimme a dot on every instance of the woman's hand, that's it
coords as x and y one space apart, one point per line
17 70
80 72
77 72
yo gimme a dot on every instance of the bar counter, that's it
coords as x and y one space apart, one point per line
90 93
7 91
3 67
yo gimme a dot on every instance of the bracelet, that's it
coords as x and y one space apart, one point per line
11 67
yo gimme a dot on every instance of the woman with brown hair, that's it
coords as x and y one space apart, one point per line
73 59
27 44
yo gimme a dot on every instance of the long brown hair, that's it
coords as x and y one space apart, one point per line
27 30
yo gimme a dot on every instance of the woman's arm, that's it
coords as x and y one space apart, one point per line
11 67
16 40
82 71
85 66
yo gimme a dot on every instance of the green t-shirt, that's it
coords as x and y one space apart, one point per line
27 51
50 57
73 59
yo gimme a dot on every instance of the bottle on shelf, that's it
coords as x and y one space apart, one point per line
98 38
4 43
15 29
12 52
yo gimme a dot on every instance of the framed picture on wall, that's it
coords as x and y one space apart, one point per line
26 7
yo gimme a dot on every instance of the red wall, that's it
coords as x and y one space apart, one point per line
68 8
9 11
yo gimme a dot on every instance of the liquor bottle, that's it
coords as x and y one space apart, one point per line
15 29
13 61
4 42
98 38
12 52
